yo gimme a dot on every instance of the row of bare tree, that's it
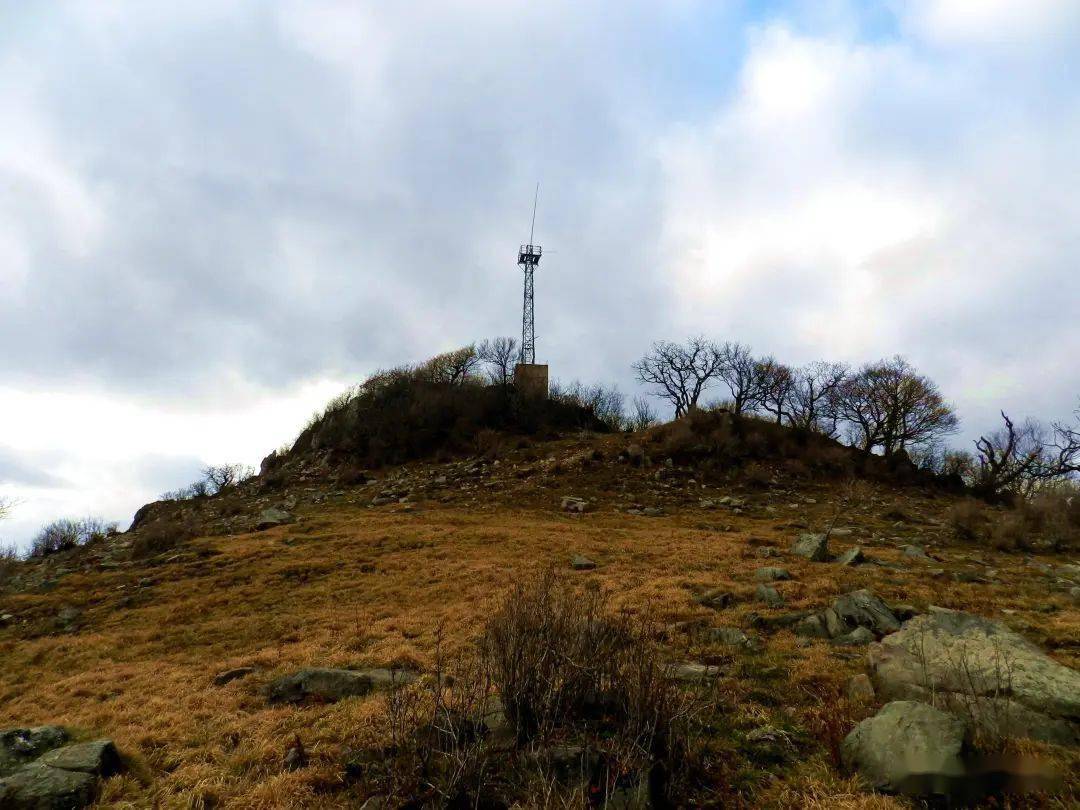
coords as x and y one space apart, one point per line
885 405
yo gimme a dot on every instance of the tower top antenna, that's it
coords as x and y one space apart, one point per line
536 199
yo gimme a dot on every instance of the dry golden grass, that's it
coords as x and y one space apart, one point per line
350 585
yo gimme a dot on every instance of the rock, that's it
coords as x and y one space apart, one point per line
730 637
19 746
915 553
635 453
853 556
690 673
230 675
860 689
905 612
6 619
903 739
323 685
771 574
863 608
39 787
811 627
295 757
67 619
652 511
814 547
778 622
715 598
572 504
580 563
840 532
99 758
770 596
982 668
269 518
859 637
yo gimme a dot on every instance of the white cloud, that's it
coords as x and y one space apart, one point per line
996 22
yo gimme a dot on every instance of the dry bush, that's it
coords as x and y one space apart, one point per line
66 534
968 519
162 535
9 562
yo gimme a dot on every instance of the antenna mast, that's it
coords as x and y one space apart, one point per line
528 258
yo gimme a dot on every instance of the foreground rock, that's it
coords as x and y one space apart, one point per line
814 547
902 740
983 670
581 563
38 771
321 685
855 618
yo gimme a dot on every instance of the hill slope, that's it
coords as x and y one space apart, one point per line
409 563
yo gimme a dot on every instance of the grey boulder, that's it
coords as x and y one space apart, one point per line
863 608
19 746
322 685
770 596
269 518
983 669
771 574
814 547
902 740
39 787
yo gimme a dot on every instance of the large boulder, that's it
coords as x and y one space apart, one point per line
19 746
981 669
39 787
322 685
902 740
863 608
269 518
812 546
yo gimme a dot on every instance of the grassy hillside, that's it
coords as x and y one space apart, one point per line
129 647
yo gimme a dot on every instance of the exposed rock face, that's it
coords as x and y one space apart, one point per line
331 685
905 738
39 772
984 670
812 546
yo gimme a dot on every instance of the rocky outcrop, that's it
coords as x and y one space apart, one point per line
902 740
39 771
321 685
981 669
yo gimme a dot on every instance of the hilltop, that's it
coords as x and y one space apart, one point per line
227 645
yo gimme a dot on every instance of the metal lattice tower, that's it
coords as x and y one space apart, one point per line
528 258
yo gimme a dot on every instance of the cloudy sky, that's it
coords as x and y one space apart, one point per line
214 215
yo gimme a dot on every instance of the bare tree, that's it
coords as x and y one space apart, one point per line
642 416
745 377
680 373
499 355
778 384
222 476
605 403
451 368
1018 460
813 399
890 406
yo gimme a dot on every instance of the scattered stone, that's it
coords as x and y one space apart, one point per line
853 556
716 598
982 668
840 533
581 563
269 518
814 547
324 685
230 675
652 511
915 553
903 739
863 608
771 574
572 504
811 627
689 673
860 689
859 637
730 637
770 596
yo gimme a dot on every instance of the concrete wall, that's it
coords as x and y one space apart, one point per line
531 379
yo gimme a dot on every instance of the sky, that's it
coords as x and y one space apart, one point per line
216 214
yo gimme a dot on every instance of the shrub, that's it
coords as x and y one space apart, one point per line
9 562
65 534
405 414
968 519
162 535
